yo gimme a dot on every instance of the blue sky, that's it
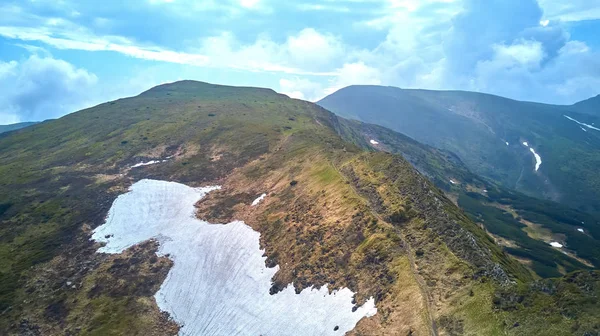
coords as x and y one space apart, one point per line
59 56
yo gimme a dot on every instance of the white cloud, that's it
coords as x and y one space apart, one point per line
301 88
354 74
249 3
506 47
83 40
322 7
570 10
306 53
7 68
224 8
528 54
409 14
311 48
349 74
41 88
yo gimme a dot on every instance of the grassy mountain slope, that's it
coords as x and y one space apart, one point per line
12 127
523 225
477 127
335 214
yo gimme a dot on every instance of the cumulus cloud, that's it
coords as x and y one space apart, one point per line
41 88
517 48
356 73
525 54
349 74
522 59
307 52
301 88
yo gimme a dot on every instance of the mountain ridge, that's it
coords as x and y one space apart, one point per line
590 100
492 135
334 214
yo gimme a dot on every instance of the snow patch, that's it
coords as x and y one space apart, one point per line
555 244
453 182
581 230
151 162
582 124
219 284
538 158
373 142
260 198
507 143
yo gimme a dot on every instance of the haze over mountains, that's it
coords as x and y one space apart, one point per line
548 151
328 202
12 127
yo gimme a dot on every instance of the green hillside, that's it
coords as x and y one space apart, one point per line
523 225
336 214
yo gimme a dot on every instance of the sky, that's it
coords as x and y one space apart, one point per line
59 56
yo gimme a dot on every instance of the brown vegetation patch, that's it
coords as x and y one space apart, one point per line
84 292
320 232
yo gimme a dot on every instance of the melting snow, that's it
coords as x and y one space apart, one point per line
555 244
538 158
583 124
581 230
219 284
141 164
260 198
373 142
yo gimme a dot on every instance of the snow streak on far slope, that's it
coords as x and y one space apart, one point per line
582 124
219 284
538 158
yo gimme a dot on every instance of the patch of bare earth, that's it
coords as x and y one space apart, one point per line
81 291
320 232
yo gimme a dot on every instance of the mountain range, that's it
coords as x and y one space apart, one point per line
546 151
337 206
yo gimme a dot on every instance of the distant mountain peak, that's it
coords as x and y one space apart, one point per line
589 106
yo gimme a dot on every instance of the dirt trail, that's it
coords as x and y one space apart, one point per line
427 297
